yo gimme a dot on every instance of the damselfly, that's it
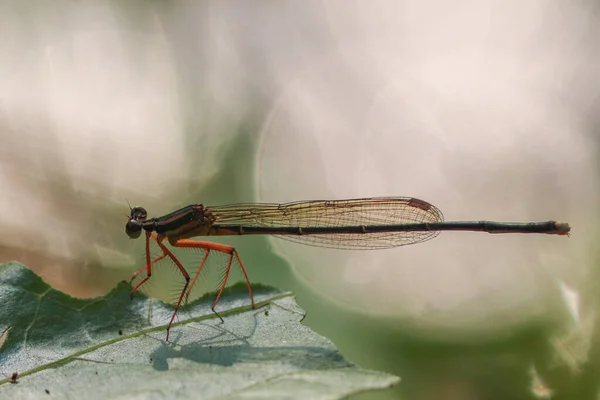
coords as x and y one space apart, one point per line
368 223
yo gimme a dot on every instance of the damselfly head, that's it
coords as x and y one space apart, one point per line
133 228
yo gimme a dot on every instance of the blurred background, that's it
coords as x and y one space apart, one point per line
486 109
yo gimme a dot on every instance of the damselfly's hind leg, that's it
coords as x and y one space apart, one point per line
235 254
221 248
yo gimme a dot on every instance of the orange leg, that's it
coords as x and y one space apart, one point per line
149 263
210 246
148 275
198 274
187 288
148 267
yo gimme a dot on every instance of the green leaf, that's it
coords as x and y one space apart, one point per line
114 347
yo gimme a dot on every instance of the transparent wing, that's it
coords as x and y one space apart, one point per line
375 211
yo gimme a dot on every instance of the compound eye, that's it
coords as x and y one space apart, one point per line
133 229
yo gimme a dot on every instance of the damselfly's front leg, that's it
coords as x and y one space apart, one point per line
148 267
